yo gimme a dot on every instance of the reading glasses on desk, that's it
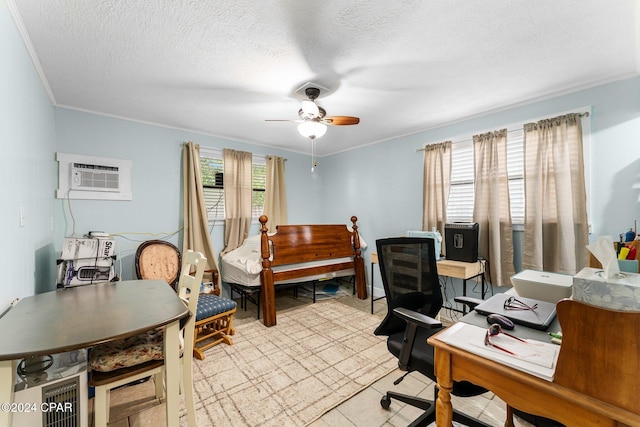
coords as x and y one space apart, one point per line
513 303
495 330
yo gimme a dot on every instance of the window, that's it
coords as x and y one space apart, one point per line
212 171
460 204
259 184
515 170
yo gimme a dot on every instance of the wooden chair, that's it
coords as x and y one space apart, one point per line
599 354
598 361
214 319
123 361
214 323
158 259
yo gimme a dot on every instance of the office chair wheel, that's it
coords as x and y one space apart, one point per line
385 402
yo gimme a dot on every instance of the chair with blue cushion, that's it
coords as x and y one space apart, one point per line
214 323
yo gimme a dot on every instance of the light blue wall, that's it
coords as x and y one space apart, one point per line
156 156
27 170
382 183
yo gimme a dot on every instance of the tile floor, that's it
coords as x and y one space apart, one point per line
134 406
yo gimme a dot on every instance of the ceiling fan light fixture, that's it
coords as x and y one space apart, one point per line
312 129
309 109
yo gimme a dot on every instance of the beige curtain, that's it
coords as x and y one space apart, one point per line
237 197
275 195
491 207
435 186
196 223
556 227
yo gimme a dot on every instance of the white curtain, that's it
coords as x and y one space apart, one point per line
491 206
435 186
556 227
196 223
237 197
275 195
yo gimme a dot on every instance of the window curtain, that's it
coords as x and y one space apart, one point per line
196 223
237 197
275 195
556 227
435 186
491 206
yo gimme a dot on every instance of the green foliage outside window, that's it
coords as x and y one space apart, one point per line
211 170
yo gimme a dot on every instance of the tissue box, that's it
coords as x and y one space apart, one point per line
592 287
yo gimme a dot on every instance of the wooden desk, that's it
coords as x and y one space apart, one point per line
464 271
520 390
74 318
446 267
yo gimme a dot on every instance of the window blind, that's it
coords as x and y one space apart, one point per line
212 171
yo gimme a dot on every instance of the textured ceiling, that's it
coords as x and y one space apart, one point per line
223 67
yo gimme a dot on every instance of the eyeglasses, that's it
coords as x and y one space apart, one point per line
513 303
495 330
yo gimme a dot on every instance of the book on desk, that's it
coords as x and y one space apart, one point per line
533 357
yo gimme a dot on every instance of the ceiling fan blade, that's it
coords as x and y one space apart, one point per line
281 120
341 120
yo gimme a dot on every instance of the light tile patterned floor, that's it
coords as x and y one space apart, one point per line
134 406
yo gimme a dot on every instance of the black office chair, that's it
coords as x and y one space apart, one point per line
410 279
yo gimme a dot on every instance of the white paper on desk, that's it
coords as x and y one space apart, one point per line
531 351
535 357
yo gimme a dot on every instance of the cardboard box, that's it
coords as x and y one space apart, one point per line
620 293
77 272
73 248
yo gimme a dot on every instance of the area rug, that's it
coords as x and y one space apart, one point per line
316 357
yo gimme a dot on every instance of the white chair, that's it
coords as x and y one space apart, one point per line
130 357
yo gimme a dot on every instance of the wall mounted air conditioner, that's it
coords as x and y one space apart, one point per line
90 177
52 391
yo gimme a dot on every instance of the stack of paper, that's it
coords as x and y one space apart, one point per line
533 357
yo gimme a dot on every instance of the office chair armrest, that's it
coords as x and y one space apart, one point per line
469 301
417 318
414 321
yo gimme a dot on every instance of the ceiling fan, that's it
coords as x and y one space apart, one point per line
313 118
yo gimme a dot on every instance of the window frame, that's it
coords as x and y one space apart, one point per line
258 161
460 162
